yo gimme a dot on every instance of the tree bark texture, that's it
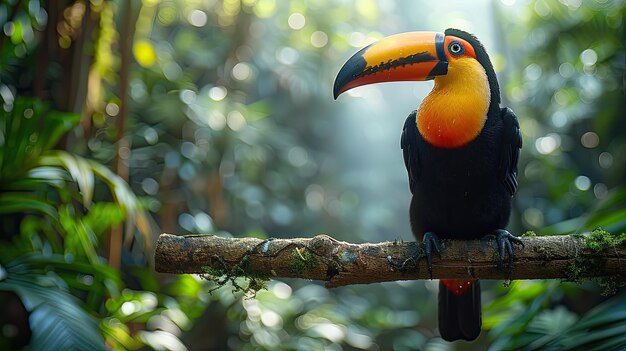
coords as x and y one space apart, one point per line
341 263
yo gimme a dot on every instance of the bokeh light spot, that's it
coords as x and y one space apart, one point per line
271 319
542 8
236 121
241 71
216 120
186 221
600 190
265 8
356 39
281 290
296 21
112 109
588 57
166 14
128 308
203 221
124 152
590 140
172 71
151 135
217 93
533 217
319 39
287 55
605 160
533 71
187 96
197 18
566 70
559 119
582 183
297 156
144 53
150 186
314 197
549 143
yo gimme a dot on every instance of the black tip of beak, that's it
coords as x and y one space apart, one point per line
336 91
355 65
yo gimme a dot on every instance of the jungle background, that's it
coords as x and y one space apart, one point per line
120 120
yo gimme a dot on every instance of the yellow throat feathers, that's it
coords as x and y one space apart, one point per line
455 111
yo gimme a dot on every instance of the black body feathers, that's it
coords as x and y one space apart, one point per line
464 193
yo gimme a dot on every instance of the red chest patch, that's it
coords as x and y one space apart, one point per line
457 287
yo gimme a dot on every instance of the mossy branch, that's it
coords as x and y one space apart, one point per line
569 257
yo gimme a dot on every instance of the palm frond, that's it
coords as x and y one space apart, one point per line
81 169
26 131
57 319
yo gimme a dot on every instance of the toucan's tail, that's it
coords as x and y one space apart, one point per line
459 309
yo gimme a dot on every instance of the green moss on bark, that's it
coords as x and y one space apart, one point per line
302 260
590 264
235 274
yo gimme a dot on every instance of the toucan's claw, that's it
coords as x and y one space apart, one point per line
504 239
431 240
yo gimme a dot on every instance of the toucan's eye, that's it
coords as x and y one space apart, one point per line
456 48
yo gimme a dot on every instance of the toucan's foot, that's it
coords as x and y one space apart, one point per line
505 241
431 241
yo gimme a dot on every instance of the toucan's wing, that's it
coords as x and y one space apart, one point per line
408 142
511 146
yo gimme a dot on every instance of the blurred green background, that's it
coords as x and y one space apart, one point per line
120 120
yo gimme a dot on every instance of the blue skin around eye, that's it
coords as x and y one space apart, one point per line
460 46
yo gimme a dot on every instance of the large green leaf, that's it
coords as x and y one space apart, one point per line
609 214
81 171
61 263
57 320
603 328
26 130
123 195
79 238
24 202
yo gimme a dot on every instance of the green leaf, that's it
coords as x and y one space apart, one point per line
79 168
83 172
37 261
103 215
612 311
56 318
552 321
15 202
26 131
63 325
127 200
610 344
613 221
581 339
616 197
78 237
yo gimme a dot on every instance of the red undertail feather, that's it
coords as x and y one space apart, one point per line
457 287
459 309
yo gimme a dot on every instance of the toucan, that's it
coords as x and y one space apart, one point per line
460 149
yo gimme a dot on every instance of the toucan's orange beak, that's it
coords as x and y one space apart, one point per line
400 57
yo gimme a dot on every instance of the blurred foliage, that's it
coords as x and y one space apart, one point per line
230 128
568 88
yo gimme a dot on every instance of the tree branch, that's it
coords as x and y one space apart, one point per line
341 263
